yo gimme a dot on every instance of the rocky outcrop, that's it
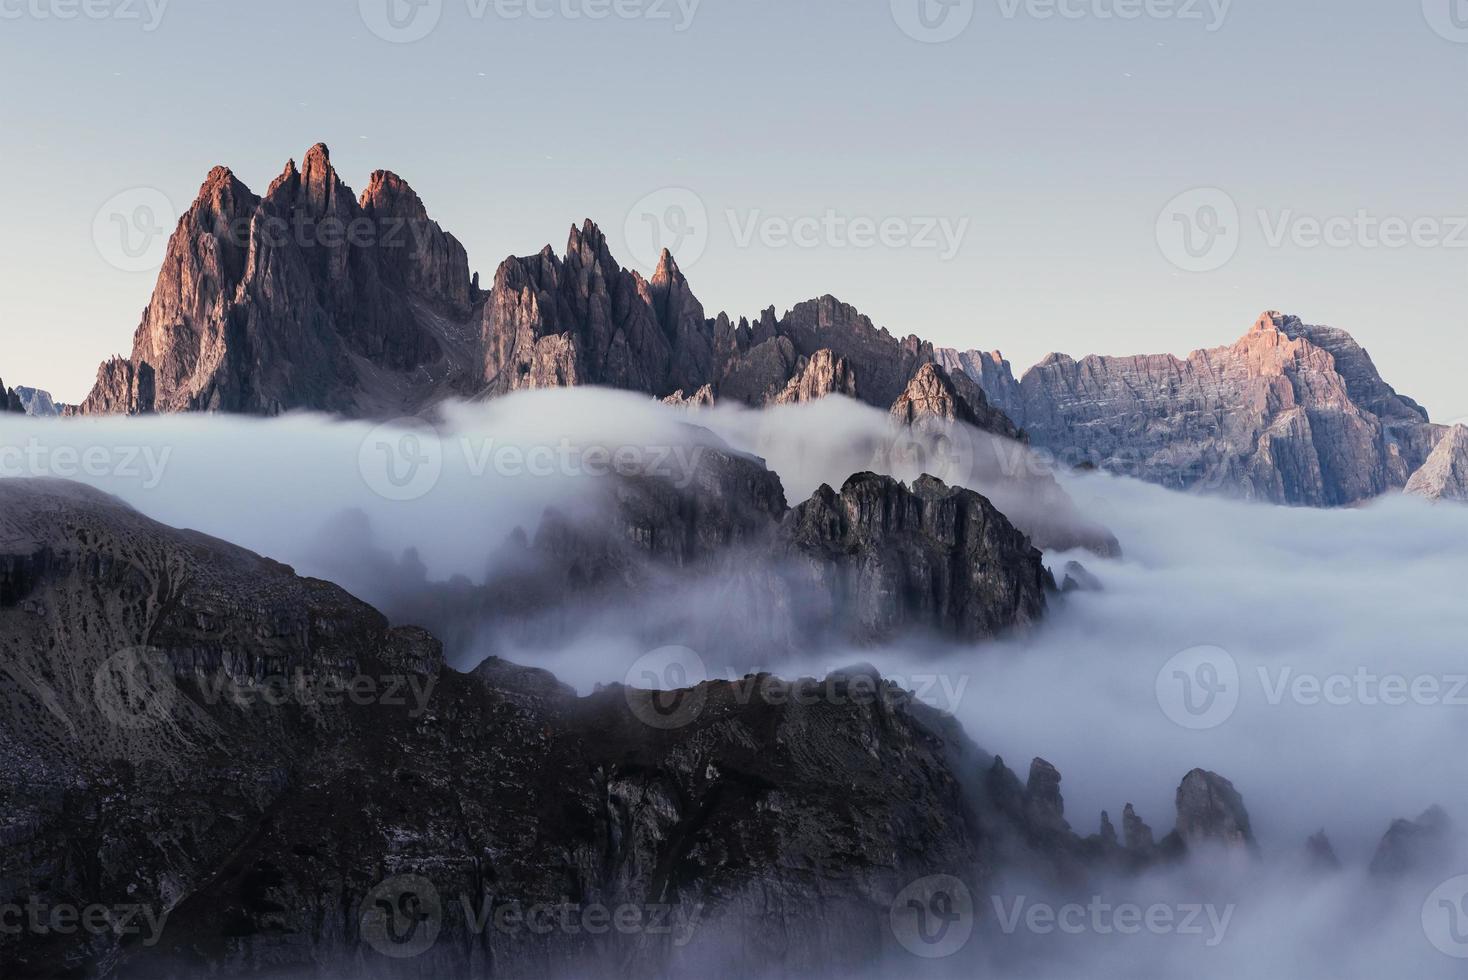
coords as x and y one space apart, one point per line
303 298
1320 855
1412 845
943 425
1291 413
821 374
1210 812
889 558
720 563
180 738
933 400
1444 476
309 298
10 400
35 402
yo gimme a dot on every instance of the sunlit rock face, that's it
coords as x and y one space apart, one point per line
1291 413
1444 476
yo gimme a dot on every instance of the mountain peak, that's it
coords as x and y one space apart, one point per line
387 194
667 270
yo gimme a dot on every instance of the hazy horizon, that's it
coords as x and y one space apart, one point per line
1031 165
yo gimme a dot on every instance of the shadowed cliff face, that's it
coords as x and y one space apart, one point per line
249 755
266 777
1291 413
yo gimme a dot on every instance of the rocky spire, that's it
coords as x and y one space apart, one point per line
1211 812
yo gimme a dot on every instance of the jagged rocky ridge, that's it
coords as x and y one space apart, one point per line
1291 413
309 298
173 743
718 560
34 401
10 400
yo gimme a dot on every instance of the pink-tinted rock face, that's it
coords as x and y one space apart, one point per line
308 297
300 299
821 374
1291 413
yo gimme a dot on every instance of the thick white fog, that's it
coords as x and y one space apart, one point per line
1318 659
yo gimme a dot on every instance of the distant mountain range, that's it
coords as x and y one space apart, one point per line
313 298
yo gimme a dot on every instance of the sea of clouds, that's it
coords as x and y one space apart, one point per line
1315 658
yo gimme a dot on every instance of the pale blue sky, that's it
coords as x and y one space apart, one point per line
1058 140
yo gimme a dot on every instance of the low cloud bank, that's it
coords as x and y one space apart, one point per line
1315 658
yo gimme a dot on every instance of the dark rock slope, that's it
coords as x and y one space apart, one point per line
247 756
10 400
246 772
1291 413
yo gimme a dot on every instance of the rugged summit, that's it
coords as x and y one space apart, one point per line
721 563
10 399
1445 474
309 298
1291 413
34 401
304 298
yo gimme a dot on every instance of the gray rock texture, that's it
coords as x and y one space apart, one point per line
1291 413
1444 476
